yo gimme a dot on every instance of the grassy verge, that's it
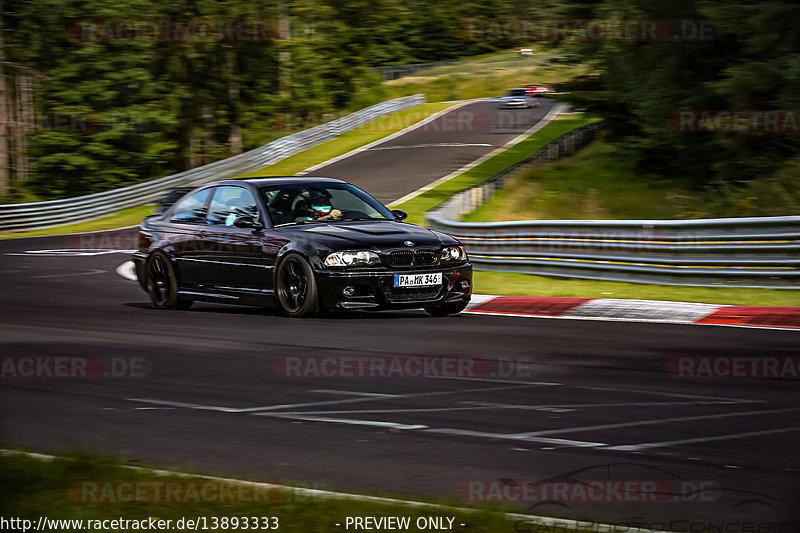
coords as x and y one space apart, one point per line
121 219
515 284
370 132
426 201
89 487
598 182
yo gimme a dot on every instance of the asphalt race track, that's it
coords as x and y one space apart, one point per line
405 163
206 389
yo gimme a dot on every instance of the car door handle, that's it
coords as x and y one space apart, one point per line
203 234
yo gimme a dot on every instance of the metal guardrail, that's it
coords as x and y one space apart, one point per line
744 252
393 72
39 215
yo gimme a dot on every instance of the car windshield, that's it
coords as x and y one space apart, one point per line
302 203
516 92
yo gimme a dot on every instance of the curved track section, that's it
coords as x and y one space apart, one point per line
403 164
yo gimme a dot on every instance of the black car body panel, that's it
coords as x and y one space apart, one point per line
239 264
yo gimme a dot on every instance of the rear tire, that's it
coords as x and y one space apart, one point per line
162 284
297 287
446 309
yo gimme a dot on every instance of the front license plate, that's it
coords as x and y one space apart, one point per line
417 280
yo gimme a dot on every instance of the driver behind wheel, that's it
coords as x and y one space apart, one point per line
316 205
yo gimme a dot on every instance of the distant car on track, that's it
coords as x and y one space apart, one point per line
303 244
535 89
518 98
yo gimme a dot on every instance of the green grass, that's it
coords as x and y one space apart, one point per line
32 488
426 201
597 182
121 219
514 284
372 131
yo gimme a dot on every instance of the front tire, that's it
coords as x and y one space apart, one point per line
446 309
162 284
297 287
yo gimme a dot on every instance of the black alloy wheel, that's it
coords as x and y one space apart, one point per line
297 287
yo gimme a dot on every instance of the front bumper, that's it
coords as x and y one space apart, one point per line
374 288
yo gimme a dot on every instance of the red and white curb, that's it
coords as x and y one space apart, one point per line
637 311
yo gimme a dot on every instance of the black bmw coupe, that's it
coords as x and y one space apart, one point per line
304 244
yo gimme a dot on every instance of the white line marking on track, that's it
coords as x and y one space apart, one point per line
430 145
127 270
91 272
647 445
545 440
353 393
601 427
491 380
384 411
356 422
576 406
189 405
71 253
544 121
479 299
671 394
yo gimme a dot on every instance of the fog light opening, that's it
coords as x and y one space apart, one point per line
349 291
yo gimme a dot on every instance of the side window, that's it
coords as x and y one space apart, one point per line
229 203
192 209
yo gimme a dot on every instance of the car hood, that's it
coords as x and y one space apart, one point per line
367 234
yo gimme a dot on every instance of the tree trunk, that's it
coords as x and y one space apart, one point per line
5 170
235 132
24 113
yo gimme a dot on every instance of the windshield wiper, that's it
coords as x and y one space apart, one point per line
363 218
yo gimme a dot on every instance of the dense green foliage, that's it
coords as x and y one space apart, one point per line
751 63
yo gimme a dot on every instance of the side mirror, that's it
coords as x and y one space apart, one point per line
245 221
399 214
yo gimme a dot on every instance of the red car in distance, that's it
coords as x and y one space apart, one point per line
535 89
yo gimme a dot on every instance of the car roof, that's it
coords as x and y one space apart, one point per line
259 181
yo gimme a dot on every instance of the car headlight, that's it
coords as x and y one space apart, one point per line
339 259
453 253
